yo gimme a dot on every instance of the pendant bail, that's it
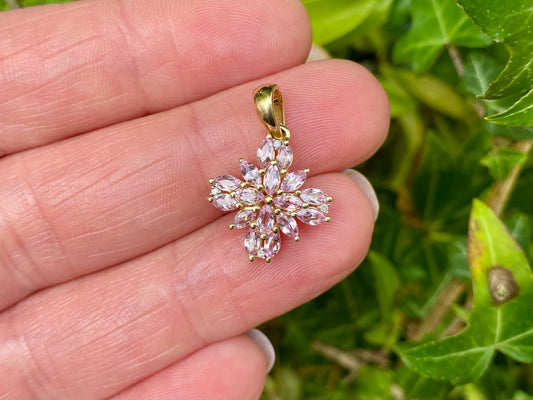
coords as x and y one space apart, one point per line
269 107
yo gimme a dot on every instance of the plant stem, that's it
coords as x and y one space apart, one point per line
13 4
501 191
433 318
456 59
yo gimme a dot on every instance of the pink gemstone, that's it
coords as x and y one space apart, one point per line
251 173
284 157
227 183
272 179
265 219
265 153
224 202
288 202
287 224
311 216
293 181
272 244
243 218
314 196
249 196
252 242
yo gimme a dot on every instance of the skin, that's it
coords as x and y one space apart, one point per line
117 277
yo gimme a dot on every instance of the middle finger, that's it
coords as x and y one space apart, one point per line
99 199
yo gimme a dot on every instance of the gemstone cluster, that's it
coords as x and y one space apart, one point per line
269 199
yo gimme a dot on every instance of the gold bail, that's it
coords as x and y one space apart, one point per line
269 107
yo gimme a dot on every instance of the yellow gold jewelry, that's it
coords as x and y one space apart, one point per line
269 199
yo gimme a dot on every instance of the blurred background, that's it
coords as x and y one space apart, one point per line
442 75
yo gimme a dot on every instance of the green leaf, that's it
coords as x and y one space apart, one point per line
501 317
386 280
502 161
480 70
400 101
431 91
332 19
436 23
519 114
507 22
519 227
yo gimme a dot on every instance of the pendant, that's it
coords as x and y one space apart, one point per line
269 198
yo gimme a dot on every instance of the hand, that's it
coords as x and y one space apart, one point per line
117 277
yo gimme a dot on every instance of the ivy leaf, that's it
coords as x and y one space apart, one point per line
332 19
502 161
519 114
507 22
436 23
480 70
501 317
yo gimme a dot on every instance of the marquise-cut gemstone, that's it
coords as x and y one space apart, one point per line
251 173
224 202
315 197
265 153
311 216
252 242
243 218
272 179
284 157
287 224
265 219
293 181
227 183
272 244
249 196
288 202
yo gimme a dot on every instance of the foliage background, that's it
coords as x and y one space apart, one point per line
440 154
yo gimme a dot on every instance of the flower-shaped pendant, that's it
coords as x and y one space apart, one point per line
270 198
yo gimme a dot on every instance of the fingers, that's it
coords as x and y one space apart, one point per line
231 369
102 198
96 63
135 319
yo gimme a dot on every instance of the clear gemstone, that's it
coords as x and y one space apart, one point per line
249 196
261 253
293 181
314 196
287 224
272 179
284 157
288 202
324 208
311 216
272 244
224 202
243 218
214 190
227 183
265 153
252 242
251 173
277 144
265 219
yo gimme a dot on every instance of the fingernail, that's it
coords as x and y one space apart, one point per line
366 187
265 345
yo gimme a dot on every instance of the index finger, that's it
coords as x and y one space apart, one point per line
100 62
